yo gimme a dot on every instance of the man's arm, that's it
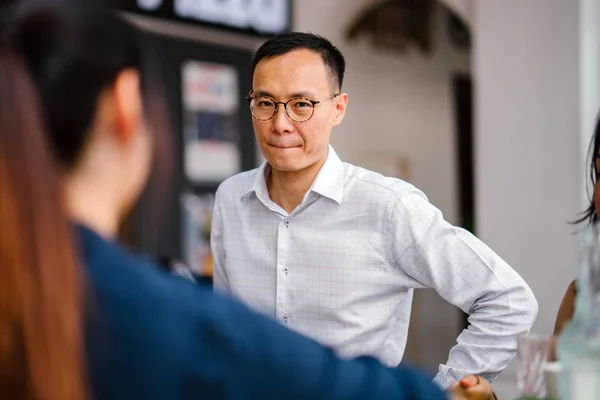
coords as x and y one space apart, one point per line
217 248
468 274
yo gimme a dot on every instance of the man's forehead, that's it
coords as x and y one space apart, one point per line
300 56
302 79
293 65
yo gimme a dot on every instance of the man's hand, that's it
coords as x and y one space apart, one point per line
472 387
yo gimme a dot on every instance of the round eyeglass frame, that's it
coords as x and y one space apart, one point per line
313 103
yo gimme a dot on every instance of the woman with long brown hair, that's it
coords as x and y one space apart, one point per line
79 315
40 286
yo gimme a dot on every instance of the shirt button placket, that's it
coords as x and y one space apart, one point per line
283 289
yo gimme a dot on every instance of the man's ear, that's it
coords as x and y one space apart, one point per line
341 103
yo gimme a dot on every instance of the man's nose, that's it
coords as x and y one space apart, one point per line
281 121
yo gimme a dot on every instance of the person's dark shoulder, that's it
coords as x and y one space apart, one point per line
121 275
130 283
149 333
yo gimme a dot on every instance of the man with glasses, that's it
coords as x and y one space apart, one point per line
334 251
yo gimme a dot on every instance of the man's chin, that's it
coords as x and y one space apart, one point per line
285 165
284 150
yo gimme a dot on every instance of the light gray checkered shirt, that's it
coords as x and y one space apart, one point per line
341 268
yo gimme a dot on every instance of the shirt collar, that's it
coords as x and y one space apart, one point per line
330 180
328 183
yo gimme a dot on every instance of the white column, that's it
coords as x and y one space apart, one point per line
536 66
528 146
589 82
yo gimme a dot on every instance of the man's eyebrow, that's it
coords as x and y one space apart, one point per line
303 93
262 93
306 94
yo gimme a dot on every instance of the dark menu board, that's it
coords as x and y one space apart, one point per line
255 17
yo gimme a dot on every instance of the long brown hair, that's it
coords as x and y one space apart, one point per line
41 340
56 58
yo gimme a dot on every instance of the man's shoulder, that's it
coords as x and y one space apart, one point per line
369 181
238 184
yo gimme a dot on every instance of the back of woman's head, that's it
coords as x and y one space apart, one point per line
56 58
73 50
590 215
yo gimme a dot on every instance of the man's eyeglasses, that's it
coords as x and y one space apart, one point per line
298 109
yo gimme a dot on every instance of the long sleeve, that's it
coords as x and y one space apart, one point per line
260 359
466 273
217 248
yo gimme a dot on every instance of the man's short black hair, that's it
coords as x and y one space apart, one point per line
287 42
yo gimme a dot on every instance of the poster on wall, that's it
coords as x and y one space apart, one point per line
197 219
210 122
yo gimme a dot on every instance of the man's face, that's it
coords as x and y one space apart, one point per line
287 145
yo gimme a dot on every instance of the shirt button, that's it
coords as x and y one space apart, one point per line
287 223
284 318
285 270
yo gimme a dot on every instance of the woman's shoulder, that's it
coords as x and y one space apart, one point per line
567 308
121 279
